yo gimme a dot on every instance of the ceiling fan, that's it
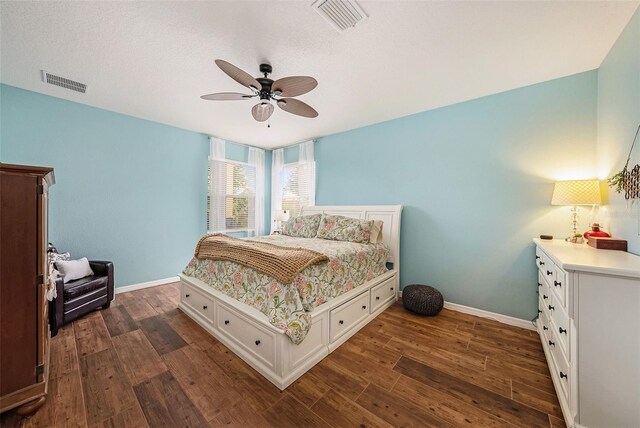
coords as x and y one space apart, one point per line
281 91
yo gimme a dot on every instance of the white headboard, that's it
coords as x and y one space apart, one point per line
389 214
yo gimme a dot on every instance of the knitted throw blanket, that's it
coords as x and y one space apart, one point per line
282 263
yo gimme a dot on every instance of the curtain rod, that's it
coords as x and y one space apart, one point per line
262 148
294 144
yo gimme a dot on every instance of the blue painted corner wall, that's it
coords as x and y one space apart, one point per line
475 180
618 121
127 189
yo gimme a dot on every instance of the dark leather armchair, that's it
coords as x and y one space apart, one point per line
81 296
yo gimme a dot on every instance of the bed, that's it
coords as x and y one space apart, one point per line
312 315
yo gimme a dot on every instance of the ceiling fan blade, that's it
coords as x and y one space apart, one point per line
238 75
294 106
226 96
293 86
262 111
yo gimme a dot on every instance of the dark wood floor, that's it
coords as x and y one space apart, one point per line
144 363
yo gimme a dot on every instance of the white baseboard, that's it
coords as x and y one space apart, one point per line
142 285
505 319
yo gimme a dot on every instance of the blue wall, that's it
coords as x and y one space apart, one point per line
618 120
475 180
127 190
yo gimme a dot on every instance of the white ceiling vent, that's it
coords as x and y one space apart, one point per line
63 82
341 14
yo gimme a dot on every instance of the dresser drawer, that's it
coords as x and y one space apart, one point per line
543 319
540 258
561 326
543 288
562 369
257 341
382 293
548 271
559 286
196 301
342 318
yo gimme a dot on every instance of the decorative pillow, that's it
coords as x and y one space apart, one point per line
59 257
376 232
304 226
340 228
74 269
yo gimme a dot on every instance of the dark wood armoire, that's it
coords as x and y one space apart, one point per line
24 324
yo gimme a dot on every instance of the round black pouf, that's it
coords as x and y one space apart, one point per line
422 299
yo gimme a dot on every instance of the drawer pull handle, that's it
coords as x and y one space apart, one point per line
226 322
539 311
341 322
204 307
563 375
391 289
377 297
545 296
544 327
257 343
557 284
187 295
364 306
549 272
552 343
539 284
541 263
552 308
562 330
537 257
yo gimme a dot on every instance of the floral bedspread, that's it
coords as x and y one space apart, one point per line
287 305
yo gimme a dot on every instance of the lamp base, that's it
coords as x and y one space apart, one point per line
575 239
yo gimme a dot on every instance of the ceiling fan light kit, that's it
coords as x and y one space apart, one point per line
267 89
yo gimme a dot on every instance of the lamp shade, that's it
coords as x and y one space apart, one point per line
282 215
576 192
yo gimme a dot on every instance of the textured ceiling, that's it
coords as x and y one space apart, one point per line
154 59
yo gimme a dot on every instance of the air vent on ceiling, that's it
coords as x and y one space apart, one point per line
341 14
63 82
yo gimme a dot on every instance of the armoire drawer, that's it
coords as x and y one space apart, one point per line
254 339
382 293
196 301
342 318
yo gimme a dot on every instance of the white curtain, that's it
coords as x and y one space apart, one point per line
256 160
308 170
277 163
217 180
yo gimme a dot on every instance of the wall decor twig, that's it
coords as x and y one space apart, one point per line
625 180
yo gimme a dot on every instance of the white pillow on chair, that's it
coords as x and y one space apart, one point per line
74 269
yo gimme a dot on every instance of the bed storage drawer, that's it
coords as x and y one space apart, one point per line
342 318
382 293
258 342
197 301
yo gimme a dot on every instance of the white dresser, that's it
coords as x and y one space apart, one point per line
589 325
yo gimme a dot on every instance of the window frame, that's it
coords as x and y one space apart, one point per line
248 230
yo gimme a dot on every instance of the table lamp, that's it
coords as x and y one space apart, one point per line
281 216
574 193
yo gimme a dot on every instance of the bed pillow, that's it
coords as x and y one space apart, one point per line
304 226
74 269
376 232
340 228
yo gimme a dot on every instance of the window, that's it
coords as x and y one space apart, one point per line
293 185
232 197
296 186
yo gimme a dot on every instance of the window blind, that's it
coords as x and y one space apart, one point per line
296 186
232 196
